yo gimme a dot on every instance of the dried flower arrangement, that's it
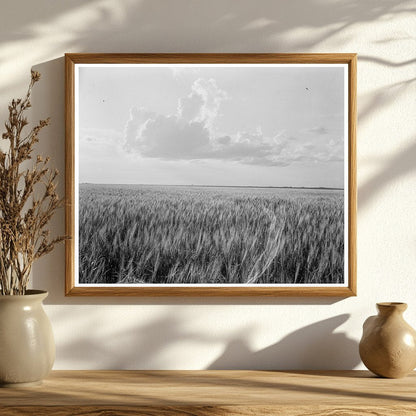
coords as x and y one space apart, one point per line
28 199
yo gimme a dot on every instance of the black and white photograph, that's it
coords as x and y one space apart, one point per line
211 174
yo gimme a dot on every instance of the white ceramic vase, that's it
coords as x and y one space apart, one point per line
27 347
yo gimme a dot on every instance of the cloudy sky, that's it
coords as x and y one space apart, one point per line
239 125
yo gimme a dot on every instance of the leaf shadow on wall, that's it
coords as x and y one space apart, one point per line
144 27
394 168
315 346
216 26
139 347
189 26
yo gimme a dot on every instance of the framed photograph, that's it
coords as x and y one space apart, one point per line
211 174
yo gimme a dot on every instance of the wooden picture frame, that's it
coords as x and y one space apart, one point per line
94 81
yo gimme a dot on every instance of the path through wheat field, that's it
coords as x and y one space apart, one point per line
148 234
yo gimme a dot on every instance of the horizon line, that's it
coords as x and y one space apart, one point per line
220 186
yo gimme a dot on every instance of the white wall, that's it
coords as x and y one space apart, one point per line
197 333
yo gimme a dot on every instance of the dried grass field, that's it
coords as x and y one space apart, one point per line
210 235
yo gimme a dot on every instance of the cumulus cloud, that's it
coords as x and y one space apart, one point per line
103 141
184 135
169 137
135 124
203 103
318 130
189 107
189 134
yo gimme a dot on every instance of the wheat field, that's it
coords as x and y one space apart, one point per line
210 235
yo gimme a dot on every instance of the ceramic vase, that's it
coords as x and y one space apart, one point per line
388 345
27 347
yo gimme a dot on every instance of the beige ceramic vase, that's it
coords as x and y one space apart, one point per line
388 344
27 347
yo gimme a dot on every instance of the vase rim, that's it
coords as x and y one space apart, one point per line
30 294
399 306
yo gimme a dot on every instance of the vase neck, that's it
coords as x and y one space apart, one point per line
391 308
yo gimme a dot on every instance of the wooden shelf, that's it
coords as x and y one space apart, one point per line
203 393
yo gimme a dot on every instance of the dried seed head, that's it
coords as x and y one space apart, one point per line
35 75
43 123
50 189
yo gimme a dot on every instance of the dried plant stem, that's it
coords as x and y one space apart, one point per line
23 218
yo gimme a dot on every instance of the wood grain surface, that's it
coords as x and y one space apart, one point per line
203 393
